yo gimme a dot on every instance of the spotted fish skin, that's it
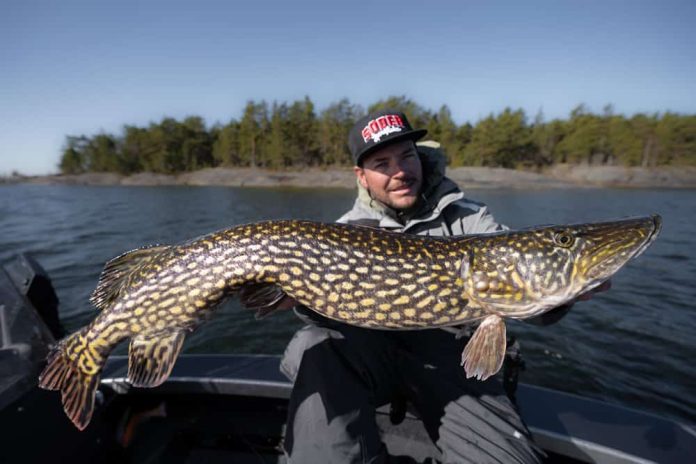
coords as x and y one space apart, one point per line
358 275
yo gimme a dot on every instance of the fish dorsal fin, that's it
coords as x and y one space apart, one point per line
263 298
150 359
117 271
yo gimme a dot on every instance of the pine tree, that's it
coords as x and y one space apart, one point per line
252 131
226 150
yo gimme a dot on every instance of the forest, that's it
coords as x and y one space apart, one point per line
296 135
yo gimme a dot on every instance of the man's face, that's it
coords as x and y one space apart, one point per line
393 175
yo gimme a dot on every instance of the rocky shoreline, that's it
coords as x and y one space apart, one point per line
559 176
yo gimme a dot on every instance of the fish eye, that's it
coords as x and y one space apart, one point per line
563 239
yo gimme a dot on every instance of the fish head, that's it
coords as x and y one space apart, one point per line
605 247
527 272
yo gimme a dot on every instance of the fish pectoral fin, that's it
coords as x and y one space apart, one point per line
264 298
150 359
117 271
483 355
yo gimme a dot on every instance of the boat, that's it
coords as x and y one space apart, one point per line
232 408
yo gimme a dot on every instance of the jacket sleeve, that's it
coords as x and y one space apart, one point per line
471 217
485 222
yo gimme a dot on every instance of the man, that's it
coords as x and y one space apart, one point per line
343 373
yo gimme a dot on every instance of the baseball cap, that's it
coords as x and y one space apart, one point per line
378 129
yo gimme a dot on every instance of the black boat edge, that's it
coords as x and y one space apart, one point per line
231 408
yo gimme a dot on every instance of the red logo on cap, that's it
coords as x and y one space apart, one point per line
383 125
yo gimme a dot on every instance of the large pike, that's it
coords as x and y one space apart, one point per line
358 275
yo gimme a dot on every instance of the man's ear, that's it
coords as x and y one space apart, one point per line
360 174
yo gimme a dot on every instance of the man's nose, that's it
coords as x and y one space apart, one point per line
398 168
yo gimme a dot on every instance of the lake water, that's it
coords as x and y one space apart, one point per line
634 345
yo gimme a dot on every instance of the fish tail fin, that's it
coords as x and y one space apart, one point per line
484 354
53 375
76 377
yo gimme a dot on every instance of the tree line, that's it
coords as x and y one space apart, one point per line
295 135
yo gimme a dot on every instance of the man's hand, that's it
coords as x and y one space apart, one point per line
557 314
603 287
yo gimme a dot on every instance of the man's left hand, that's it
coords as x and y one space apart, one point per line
557 314
603 287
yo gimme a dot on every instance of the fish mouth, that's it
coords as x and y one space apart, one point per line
657 228
598 274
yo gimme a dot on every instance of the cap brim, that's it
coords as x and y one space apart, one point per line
414 135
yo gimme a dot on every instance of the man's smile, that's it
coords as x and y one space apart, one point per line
404 186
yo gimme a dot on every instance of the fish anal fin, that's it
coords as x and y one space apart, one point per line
262 297
151 359
117 271
483 355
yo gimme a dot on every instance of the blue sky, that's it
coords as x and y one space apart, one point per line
80 67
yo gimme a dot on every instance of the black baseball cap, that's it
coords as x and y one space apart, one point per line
378 129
